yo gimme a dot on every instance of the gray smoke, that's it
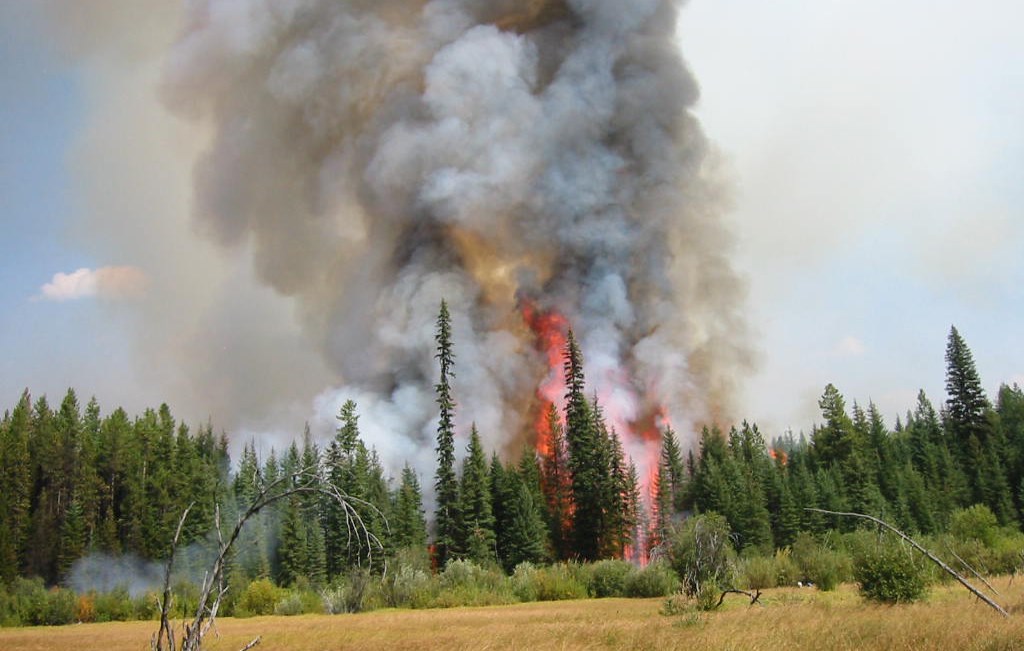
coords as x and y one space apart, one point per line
376 156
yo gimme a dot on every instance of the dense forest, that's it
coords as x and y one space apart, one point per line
75 482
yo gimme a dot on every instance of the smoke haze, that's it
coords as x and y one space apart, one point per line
364 160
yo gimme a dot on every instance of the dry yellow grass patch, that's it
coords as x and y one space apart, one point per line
791 619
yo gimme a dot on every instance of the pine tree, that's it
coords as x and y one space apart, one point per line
408 525
966 404
587 470
476 539
557 487
15 488
446 517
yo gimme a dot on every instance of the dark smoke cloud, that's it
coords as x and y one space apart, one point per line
373 157
378 156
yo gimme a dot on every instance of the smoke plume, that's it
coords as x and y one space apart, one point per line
378 156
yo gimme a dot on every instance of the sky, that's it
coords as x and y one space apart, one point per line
875 152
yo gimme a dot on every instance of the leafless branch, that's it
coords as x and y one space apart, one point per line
213 587
932 557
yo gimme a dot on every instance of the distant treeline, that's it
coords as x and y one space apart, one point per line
74 482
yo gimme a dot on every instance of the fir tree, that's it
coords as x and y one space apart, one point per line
446 488
476 539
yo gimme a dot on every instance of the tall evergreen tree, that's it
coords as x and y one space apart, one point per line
446 488
557 487
408 524
476 539
587 453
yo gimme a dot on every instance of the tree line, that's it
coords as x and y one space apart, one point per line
74 482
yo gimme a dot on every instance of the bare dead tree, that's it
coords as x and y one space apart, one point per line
932 557
214 586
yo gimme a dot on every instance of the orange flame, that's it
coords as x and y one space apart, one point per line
551 331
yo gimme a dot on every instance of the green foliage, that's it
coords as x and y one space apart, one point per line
826 568
701 552
259 598
551 583
757 573
890 573
299 602
609 578
658 579
974 523
464 583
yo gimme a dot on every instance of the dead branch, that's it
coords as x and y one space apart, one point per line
754 596
932 557
214 587
972 570
251 644
166 631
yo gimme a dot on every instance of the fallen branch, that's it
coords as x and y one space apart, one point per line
251 644
972 570
753 596
932 557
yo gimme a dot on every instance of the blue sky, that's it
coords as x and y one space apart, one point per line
877 155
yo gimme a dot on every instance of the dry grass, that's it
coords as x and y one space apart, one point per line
791 619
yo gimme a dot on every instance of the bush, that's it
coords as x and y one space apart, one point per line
701 552
787 572
890 573
551 583
299 602
707 595
60 607
114 606
825 568
608 578
146 607
974 523
656 580
409 587
757 573
464 583
259 598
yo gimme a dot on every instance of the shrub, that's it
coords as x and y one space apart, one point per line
786 570
974 523
676 604
299 602
259 598
825 568
656 580
28 597
464 583
551 583
114 606
701 552
609 578
146 606
85 608
890 573
757 573
409 587
707 595
60 607
524 584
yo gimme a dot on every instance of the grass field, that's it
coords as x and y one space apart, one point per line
791 619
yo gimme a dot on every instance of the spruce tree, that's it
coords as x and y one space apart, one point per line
408 525
557 487
446 487
587 470
476 539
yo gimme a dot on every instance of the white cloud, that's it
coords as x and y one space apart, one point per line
850 347
111 283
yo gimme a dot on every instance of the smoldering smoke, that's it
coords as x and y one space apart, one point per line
377 156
